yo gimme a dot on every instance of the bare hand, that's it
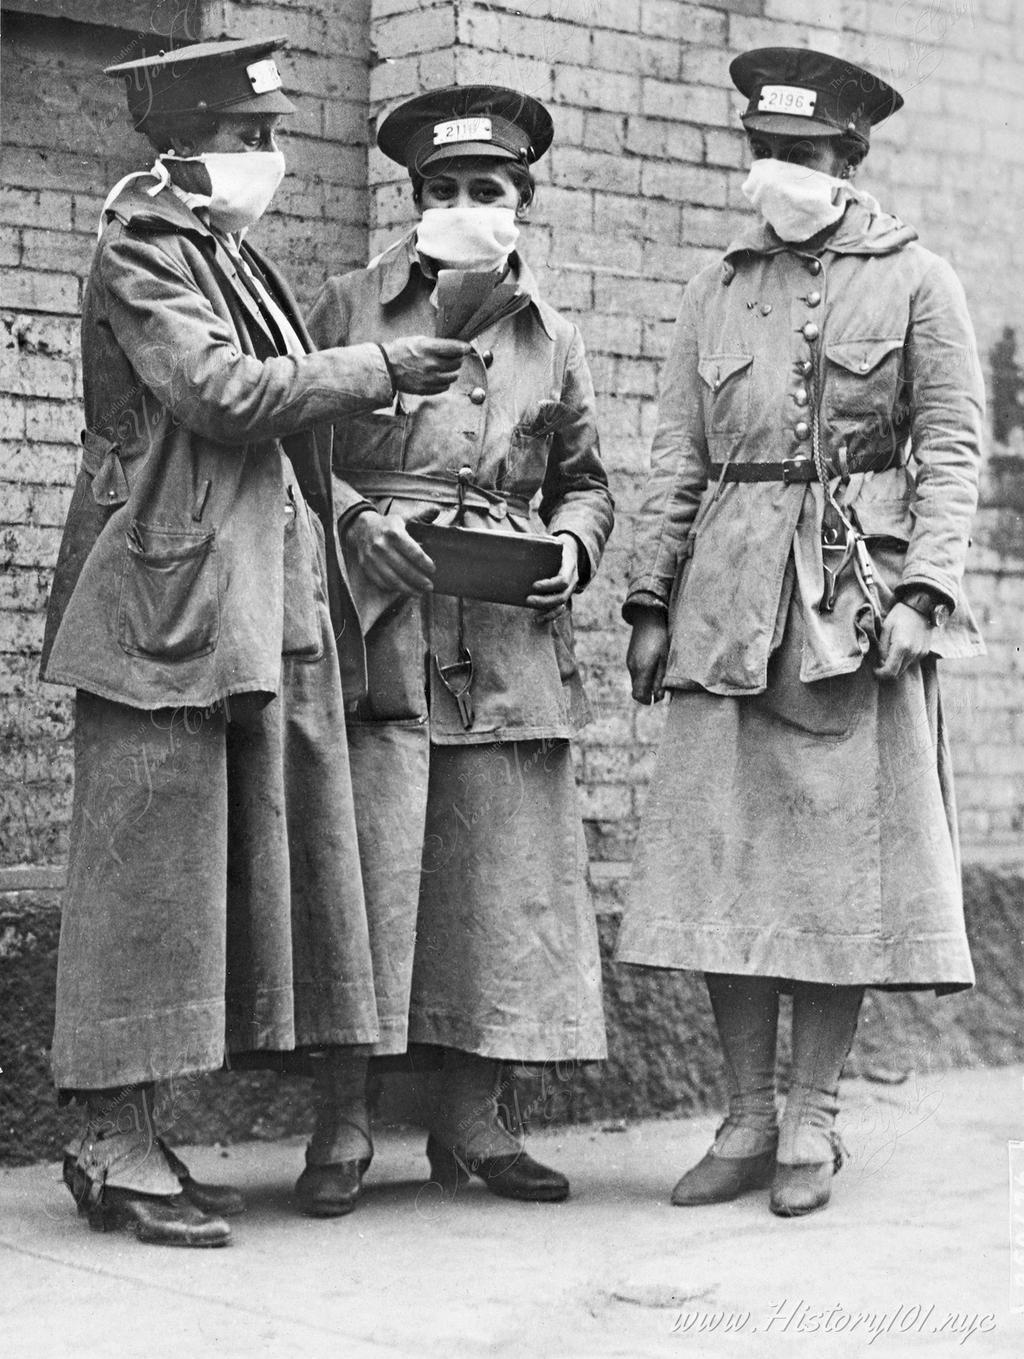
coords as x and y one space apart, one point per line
906 637
648 655
551 596
387 555
424 365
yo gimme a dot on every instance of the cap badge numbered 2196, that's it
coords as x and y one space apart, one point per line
787 99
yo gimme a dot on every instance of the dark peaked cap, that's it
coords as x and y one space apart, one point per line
801 93
206 77
466 120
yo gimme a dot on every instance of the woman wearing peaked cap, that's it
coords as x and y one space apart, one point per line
796 578
214 906
469 828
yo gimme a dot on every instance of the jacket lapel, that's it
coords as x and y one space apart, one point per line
228 269
283 294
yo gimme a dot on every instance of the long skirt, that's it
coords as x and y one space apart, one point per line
214 904
808 833
484 934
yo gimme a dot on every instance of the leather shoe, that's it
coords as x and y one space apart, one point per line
156 1219
802 1189
221 1200
719 1179
514 1175
332 1190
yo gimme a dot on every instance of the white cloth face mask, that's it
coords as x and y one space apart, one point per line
468 238
796 202
242 183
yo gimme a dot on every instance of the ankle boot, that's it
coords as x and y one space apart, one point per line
469 1137
515 1175
222 1200
122 1180
803 1188
341 1149
810 1152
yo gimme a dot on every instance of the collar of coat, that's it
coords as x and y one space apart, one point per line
397 264
136 209
859 232
165 211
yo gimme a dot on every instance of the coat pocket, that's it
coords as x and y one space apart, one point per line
863 376
726 379
301 635
523 469
375 440
170 601
565 648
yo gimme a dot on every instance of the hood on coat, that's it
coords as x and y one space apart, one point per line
860 232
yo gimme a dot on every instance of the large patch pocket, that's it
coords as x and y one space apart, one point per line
863 377
726 379
375 440
170 601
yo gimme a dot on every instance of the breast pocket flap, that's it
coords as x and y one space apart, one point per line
861 356
716 369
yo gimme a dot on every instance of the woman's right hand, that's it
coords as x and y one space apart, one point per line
648 654
387 555
424 365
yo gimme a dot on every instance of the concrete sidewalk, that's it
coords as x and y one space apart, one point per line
918 1230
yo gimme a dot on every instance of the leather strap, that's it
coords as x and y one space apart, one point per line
438 490
791 471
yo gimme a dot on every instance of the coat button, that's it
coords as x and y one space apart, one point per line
813 299
814 266
487 357
809 331
800 396
766 310
802 430
478 396
805 367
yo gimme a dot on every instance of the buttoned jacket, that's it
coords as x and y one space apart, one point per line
871 337
189 564
521 418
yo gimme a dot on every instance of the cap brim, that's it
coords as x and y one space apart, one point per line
465 150
271 102
789 125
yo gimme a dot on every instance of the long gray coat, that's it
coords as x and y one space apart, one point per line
801 822
214 901
470 838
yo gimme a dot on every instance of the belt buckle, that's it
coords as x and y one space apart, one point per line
791 468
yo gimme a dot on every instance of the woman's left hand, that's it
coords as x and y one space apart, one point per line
551 596
905 639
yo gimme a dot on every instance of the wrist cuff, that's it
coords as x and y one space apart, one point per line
391 371
348 518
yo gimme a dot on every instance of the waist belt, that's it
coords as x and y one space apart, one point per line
439 490
790 471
